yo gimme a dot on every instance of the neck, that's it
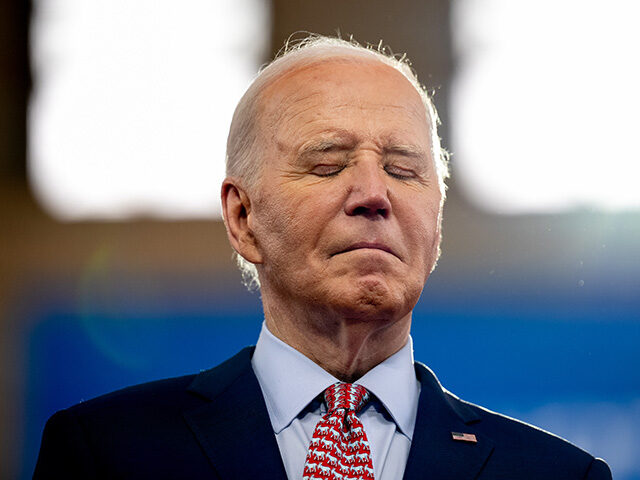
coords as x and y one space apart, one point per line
344 346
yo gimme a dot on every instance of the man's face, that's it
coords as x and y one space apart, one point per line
347 212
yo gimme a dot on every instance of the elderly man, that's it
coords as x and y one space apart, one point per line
333 203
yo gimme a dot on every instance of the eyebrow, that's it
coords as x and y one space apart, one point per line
347 141
406 150
340 141
321 146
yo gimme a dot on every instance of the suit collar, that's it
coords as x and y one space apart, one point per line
236 423
434 453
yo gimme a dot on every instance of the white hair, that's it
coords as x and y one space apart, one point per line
243 152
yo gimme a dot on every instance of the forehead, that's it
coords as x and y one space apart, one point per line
350 93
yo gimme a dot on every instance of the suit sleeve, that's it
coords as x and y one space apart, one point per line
64 452
598 470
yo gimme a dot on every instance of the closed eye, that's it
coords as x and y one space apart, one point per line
327 170
399 172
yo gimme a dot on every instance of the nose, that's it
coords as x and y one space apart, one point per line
368 193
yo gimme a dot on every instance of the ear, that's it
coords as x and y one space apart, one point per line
236 210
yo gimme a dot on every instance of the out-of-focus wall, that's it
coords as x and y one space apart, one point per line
14 87
535 315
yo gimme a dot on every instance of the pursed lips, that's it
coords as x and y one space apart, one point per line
368 245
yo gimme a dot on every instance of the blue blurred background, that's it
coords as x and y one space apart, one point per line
535 316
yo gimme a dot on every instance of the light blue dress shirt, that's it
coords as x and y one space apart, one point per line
291 384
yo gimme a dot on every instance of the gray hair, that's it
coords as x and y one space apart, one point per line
243 153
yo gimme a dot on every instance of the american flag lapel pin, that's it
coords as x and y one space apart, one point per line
464 437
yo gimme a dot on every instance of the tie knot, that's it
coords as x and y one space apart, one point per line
348 396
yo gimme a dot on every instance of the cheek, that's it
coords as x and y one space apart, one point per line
425 231
284 225
305 210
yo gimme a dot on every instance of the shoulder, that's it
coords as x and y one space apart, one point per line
126 409
139 428
155 397
526 444
165 395
518 446
516 434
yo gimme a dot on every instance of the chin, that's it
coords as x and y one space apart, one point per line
372 298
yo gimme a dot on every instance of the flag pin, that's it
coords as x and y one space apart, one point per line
464 437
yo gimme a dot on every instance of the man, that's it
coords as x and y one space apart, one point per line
334 200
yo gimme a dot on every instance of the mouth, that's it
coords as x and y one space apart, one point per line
368 246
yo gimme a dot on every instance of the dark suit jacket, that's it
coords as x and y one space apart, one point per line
215 425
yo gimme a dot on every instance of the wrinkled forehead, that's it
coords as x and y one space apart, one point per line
334 78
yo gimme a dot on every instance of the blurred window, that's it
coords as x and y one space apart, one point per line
132 102
545 104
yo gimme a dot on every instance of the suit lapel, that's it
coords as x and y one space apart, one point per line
434 454
234 431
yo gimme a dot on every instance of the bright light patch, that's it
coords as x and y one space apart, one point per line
133 100
545 104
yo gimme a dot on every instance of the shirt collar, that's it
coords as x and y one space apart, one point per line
395 384
290 381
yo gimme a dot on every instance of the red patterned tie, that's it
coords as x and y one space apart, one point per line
339 448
